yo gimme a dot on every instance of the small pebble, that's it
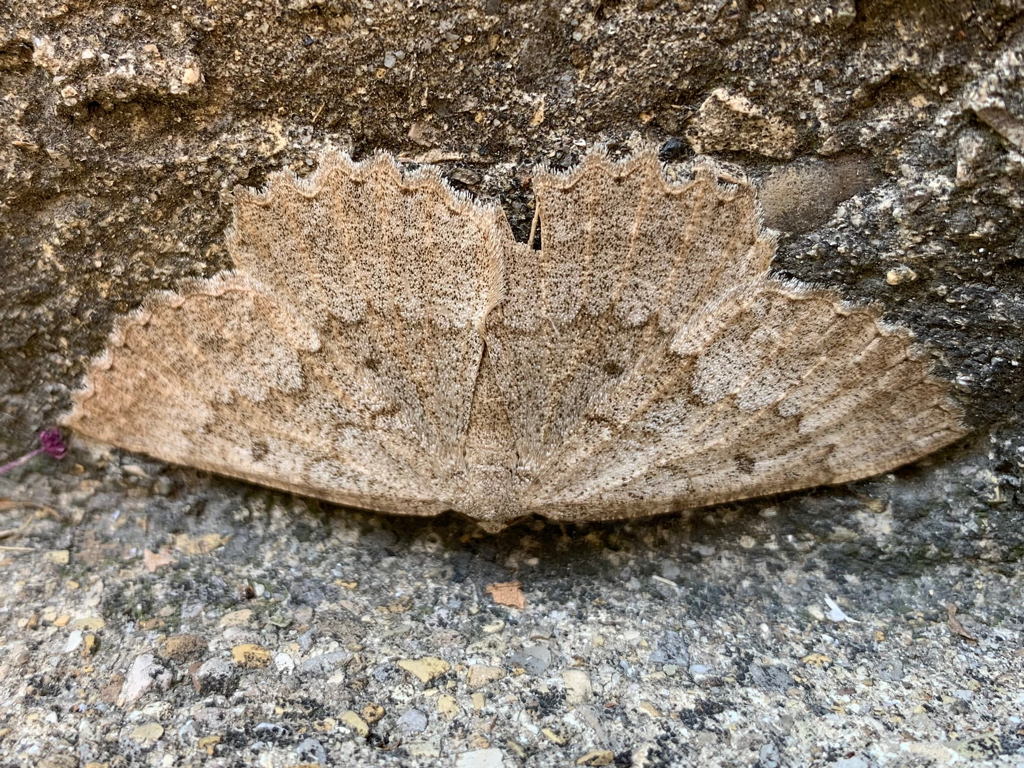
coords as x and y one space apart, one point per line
143 674
577 686
74 641
183 648
481 758
236 618
411 721
480 675
447 706
355 722
250 656
148 733
899 275
535 659
426 668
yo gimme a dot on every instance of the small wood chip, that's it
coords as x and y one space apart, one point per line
199 545
153 560
596 757
59 556
508 593
552 736
955 626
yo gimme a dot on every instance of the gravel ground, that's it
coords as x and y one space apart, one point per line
258 629
158 616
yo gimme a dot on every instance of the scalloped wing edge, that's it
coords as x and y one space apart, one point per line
226 281
917 351
333 160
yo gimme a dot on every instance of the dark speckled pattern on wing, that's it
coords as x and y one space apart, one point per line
384 343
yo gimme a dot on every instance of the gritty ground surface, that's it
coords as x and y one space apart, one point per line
807 630
256 629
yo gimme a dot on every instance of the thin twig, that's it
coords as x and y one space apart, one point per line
15 503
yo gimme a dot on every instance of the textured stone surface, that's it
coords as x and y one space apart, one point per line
121 128
804 633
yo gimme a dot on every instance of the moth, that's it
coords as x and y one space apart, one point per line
384 342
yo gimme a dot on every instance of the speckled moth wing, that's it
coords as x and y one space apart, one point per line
385 343
670 371
339 361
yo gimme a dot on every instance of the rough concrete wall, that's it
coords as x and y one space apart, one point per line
887 134
123 125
